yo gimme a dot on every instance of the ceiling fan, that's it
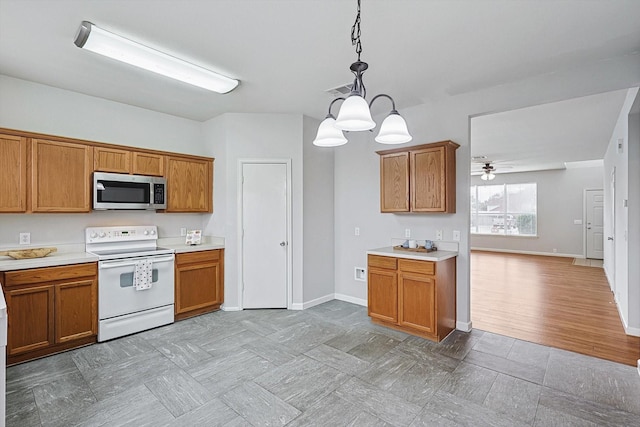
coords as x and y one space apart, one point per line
487 174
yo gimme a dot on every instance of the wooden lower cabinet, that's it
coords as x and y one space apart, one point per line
199 282
417 297
50 310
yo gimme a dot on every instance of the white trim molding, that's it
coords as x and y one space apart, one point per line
513 251
225 308
464 326
352 300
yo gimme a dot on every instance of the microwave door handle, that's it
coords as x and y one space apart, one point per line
99 186
116 264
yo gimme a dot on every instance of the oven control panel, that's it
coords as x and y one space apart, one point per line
120 233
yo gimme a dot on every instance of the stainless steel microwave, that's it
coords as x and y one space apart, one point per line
122 191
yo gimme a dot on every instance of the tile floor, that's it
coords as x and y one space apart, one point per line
325 366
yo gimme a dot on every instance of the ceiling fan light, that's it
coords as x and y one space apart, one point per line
354 115
329 135
116 47
393 130
487 176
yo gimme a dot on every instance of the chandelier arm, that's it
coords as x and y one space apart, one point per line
331 106
393 103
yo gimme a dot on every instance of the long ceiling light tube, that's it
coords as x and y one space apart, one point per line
355 112
106 43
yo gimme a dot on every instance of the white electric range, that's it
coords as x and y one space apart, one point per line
135 279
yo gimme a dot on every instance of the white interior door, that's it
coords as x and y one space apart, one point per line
595 225
264 244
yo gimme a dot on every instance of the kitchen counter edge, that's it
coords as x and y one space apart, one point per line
420 256
53 260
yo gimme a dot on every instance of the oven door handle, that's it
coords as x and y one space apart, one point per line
115 264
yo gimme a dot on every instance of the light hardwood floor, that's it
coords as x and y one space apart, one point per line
549 301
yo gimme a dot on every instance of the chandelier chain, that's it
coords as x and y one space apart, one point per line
355 33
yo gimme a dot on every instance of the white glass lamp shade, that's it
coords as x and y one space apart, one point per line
393 130
487 176
329 135
354 115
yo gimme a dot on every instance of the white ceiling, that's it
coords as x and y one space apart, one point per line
287 53
546 136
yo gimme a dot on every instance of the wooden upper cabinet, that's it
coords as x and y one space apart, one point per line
421 178
107 159
111 160
189 184
13 173
394 182
147 164
61 176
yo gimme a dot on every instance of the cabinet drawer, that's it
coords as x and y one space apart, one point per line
197 257
382 262
49 274
423 267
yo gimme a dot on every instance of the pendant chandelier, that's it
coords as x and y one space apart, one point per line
355 113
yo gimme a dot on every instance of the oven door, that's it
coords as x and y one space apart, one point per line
117 295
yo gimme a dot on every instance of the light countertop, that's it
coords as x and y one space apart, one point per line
68 254
177 244
52 260
439 255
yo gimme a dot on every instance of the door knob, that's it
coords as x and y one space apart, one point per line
609 238
283 243
588 228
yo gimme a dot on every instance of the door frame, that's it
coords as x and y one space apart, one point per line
240 223
584 220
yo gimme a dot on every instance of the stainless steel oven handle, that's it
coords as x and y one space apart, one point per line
132 262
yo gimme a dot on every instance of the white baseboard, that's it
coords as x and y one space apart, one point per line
464 326
629 330
317 301
513 251
352 300
638 366
226 308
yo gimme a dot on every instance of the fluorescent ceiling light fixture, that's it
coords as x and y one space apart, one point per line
105 43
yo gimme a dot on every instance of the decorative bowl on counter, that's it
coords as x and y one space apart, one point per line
28 253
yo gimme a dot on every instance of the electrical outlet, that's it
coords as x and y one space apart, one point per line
407 232
183 231
456 235
25 238
356 232
438 234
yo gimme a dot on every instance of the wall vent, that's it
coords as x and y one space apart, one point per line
339 91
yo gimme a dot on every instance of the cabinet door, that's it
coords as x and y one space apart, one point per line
383 294
31 322
76 310
394 182
199 282
111 160
417 302
428 180
189 184
148 164
13 173
61 176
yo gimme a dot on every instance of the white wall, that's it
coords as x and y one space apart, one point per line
560 202
232 137
318 228
622 254
38 108
448 117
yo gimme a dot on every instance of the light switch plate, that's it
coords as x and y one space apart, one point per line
456 235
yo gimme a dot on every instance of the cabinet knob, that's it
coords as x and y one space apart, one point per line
283 243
